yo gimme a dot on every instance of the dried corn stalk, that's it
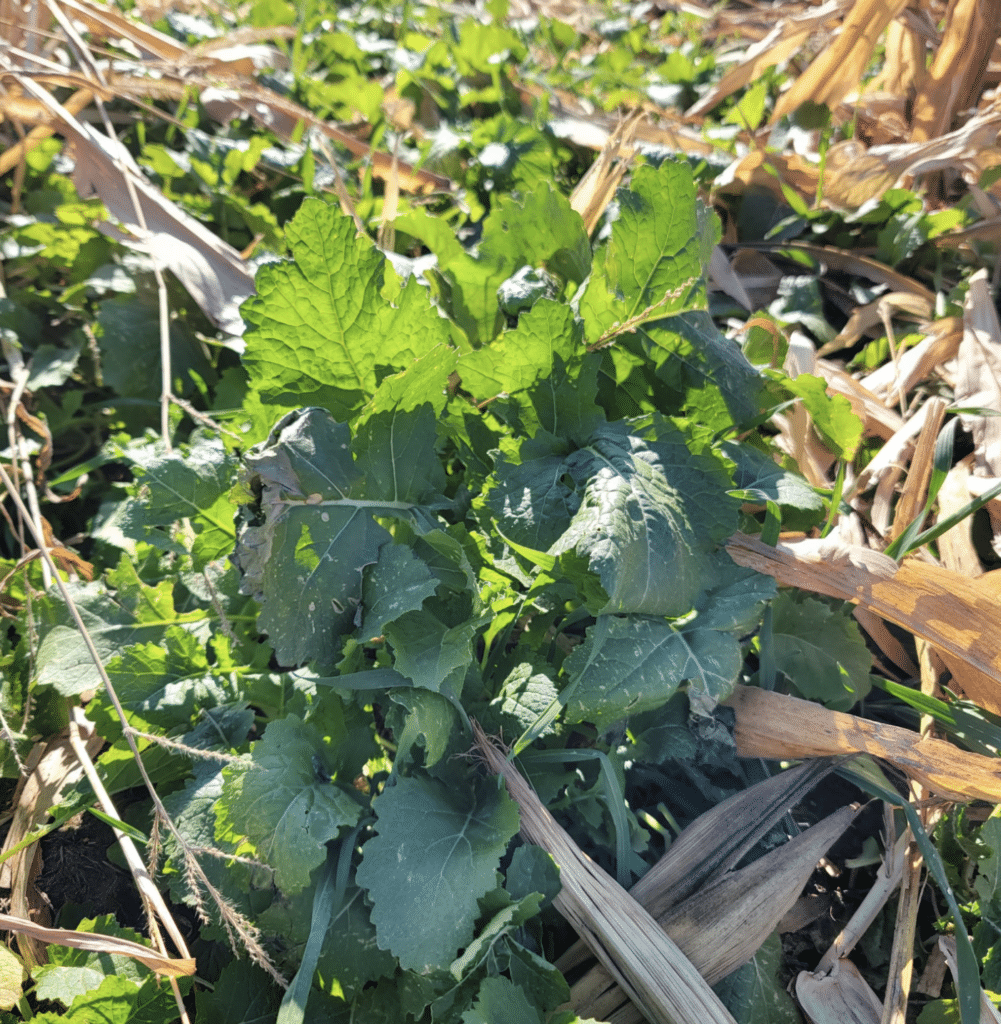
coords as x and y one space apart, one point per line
775 726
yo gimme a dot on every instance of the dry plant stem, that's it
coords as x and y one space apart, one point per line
19 375
901 968
96 943
347 205
912 499
651 969
887 879
150 894
193 869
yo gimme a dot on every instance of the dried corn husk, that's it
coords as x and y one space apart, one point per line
841 997
716 841
722 926
657 976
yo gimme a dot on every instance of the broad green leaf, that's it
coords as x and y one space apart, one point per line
832 415
506 919
653 261
754 993
532 498
71 973
690 353
351 954
540 230
821 651
431 719
631 664
192 483
429 653
736 600
712 668
160 684
540 980
130 612
758 472
283 806
12 978
396 451
521 357
318 327
437 851
243 994
522 698
305 557
500 1001
129 339
398 583
425 381
650 512
532 869
988 881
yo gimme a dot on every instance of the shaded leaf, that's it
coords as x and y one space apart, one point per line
437 851
282 806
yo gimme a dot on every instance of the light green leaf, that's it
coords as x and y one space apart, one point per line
437 851
281 804
160 684
424 381
832 415
12 978
318 327
71 973
521 357
540 230
192 483
654 258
